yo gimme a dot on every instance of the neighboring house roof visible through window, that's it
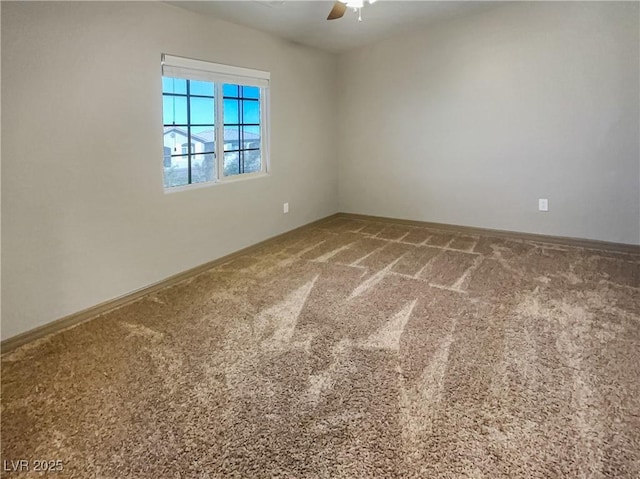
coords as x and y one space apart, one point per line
207 136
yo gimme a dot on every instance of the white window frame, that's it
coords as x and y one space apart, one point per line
219 74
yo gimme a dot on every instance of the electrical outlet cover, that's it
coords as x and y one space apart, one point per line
543 204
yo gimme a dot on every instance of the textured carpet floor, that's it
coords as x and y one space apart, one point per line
354 349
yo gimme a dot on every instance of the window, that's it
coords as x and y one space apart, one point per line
214 119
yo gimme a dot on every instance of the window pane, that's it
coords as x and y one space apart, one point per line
252 132
202 110
196 146
174 110
204 138
201 88
176 173
231 138
174 85
174 137
231 164
252 161
230 90
250 92
203 168
231 112
250 112
250 137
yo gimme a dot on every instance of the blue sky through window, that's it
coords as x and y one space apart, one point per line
202 109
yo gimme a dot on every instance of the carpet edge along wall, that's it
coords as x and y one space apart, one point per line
74 319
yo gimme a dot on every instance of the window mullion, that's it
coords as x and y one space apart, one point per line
189 179
241 131
264 134
219 129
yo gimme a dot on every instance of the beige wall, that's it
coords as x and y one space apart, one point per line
470 122
84 215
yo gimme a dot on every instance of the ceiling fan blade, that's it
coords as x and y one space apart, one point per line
337 11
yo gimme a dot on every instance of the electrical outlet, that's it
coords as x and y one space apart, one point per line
285 208
543 204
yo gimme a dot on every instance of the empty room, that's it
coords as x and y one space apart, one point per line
318 239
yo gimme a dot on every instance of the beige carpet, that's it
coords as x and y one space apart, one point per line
354 349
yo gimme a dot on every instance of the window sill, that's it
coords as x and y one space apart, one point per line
231 179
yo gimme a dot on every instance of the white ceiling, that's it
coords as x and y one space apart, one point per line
305 21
